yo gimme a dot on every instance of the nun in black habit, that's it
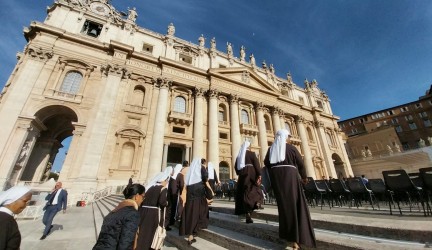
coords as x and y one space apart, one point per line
287 173
198 195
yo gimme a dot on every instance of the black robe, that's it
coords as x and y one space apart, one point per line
196 213
213 182
294 217
172 200
248 192
10 237
155 197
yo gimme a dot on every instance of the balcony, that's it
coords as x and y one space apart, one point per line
248 129
180 118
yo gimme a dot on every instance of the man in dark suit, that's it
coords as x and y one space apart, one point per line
57 200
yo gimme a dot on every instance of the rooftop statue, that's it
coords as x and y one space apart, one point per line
132 14
171 29
201 41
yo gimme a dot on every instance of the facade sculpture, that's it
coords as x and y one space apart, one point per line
132 16
174 103
242 53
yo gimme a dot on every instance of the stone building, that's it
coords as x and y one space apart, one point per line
135 101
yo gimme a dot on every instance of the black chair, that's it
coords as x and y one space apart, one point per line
426 177
312 191
341 193
322 184
378 187
359 191
400 186
416 179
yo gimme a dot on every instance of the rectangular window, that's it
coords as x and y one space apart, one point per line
413 126
427 123
223 136
148 48
179 130
404 109
185 58
222 66
423 115
398 129
354 130
361 120
408 118
395 121
351 123
221 116
390 112
418 105
320 105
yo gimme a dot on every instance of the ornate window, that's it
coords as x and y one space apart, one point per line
127 155
310 135
222 114
287 127
71 82
267 123
180 104
244 117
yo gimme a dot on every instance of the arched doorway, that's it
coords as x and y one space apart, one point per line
57 121
339 166
224 172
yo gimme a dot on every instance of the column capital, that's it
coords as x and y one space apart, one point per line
162 83
40 53
199 92
299 119
259 106
275 110
213 93
319 124
233 98
114 69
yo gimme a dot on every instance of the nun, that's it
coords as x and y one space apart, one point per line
176 188
287 172
151 210
198 196
249 195
181 180
12 202
171 190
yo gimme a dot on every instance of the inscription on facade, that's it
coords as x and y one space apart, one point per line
119 55
185 75
245 91
142 65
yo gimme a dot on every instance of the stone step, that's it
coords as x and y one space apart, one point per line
180 242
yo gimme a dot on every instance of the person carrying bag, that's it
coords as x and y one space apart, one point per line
160 234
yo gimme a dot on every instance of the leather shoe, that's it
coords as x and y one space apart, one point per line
43 237
168 228
248 221
193 240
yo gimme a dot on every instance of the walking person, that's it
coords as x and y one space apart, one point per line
171 190
57 201
151 210
212 176
176 189
12 202
198 195
249 195
120 226
286 167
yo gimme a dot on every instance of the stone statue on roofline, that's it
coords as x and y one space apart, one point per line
213 44
242 53
171 29
229 49
252 60
132 16
201 41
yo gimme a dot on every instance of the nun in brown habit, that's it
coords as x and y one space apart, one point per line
249 195
287 172
155 202
198 193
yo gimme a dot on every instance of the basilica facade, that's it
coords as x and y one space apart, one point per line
135 101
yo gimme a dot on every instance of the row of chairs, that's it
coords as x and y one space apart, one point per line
397 187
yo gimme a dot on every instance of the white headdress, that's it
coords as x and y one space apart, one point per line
11 195
194 174
278 148
241 155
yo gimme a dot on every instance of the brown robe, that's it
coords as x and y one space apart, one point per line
248 192
154 197
294 217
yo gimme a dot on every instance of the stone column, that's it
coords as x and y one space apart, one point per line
341 146
262 131
235 130
164 157
213 129
282 118
99 126
305 145
322 139
198 139
187 154
156 149
276 119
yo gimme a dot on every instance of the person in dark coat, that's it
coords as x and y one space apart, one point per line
249 195
181 178
212 176
171 191
198 196
56 201
12 201
176 188
151 211
286 167
120 226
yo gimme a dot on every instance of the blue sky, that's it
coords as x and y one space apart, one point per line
366 55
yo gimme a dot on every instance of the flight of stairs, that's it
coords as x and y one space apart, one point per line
228 231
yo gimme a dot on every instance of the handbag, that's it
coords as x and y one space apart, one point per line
160 234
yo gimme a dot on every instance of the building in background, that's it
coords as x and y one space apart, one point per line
393 138
135 101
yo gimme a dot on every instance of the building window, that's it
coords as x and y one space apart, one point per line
423 115
390 112
418 105
310 135
179 130
148 48
138 96
361 120
408 118
398 129
395 121
320 105
354 131
288 127
244 117
223 136
71 82
180 104
185 58
267 123
222 114
404 109
91 28
427 123
127 155
301 100
412 126
222 66
351 123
